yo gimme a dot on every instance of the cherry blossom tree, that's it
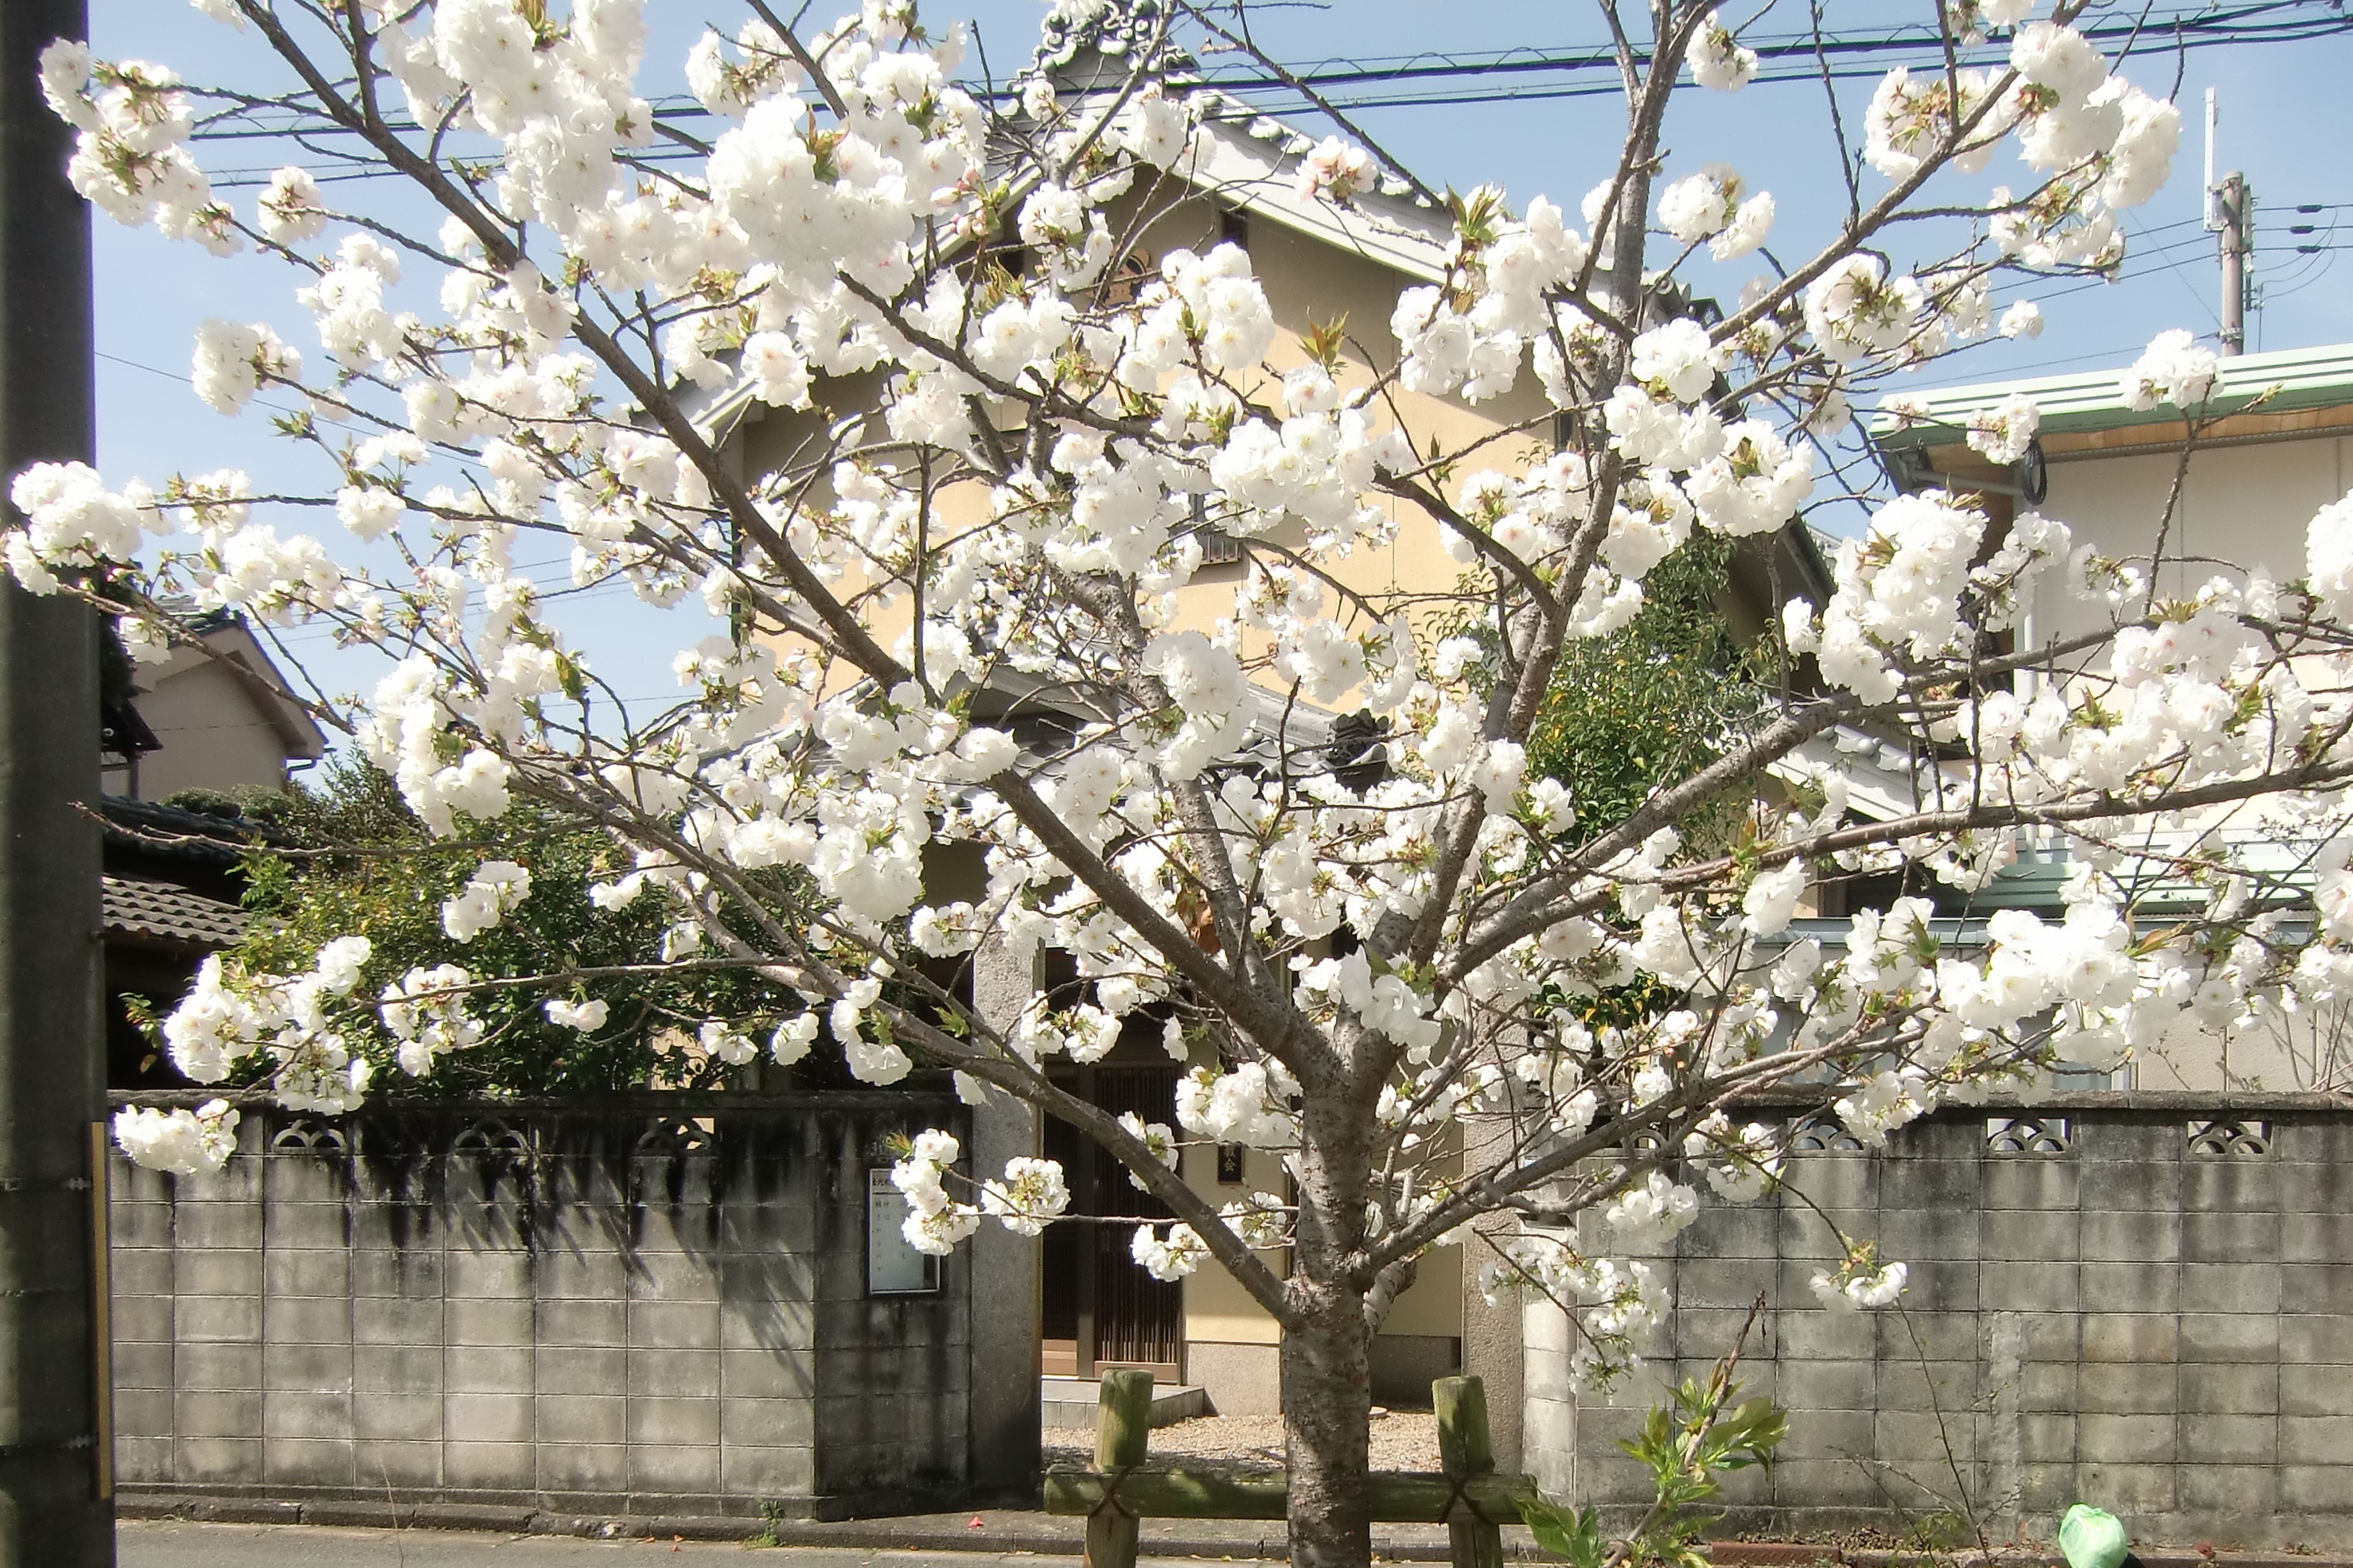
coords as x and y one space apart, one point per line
1012 448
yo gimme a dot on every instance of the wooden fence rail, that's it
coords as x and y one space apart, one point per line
1468 1496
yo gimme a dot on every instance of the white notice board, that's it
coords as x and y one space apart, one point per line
893 1268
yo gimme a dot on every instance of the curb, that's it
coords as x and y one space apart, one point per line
1803 1554
1022 1533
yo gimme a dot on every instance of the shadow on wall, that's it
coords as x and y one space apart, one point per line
654 1308
2134 1299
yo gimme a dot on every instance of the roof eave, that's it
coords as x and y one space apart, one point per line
2284 382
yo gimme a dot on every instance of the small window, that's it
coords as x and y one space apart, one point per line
1218 548
892 1266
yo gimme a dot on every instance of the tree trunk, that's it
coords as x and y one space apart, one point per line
1327 1384
1326 1408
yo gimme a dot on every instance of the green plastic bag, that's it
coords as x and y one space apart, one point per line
2092 1538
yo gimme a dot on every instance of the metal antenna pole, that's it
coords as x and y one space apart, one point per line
56 1507
2213 207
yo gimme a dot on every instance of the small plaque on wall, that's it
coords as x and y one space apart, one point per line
1230 1165
892 1266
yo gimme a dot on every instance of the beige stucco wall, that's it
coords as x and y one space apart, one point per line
213 735
2244 505
1308 283
1229 1341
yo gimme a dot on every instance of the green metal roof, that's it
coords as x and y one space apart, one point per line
2094 399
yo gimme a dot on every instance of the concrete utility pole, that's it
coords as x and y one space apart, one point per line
56 1507
2237 213
2229 216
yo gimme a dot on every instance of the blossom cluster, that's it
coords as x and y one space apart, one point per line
1030 1196
179 1141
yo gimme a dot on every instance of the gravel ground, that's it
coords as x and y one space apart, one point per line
1402 1440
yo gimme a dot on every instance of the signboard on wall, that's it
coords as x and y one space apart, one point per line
892 1266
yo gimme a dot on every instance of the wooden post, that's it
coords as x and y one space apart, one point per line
1464 1451
1123 1428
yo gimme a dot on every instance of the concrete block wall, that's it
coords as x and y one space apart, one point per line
2143 1301
623 1312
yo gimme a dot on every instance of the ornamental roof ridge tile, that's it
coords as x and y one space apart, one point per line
167 830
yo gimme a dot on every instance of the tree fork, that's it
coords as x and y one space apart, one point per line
56 1505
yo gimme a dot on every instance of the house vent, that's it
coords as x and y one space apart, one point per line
1218 548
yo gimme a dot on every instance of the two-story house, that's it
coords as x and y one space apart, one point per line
2228 487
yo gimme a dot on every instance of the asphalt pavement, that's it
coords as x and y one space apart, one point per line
175 1544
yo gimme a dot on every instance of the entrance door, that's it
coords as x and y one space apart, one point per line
1101 1308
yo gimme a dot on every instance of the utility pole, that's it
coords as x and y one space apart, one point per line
56 1509
2229 216
2237 213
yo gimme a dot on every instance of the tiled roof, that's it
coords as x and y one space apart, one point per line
157 829
163 912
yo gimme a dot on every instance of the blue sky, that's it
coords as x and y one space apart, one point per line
2283 122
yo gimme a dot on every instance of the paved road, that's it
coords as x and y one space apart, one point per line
170 1543
175 1544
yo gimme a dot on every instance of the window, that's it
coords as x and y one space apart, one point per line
1128 277
1233 227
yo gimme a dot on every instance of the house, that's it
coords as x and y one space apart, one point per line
171 884
1318 264
212 719
217 716
2271 446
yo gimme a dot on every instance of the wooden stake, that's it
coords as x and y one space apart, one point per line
1466 1452
1123 1430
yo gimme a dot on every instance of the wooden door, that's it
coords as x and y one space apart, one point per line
1101 1308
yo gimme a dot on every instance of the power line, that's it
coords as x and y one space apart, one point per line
1374 78
1800 55
2198 25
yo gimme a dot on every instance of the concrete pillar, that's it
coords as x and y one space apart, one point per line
1492 1338
1006 1301
1493 1350
1548 1418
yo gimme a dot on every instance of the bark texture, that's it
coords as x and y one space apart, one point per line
1326 1405
1327 1387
